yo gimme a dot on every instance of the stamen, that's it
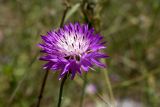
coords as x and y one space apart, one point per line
73 43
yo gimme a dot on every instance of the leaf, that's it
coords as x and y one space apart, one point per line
72 11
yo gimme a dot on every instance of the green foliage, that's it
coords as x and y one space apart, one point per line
131 28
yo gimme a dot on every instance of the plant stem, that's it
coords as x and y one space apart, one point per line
64 14
42 88
65 77
109 87
83 90
46 75
61 91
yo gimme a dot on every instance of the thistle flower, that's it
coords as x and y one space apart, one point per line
72 49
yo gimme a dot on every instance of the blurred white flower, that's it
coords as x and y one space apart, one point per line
91 89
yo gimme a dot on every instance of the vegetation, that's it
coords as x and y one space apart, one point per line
130 27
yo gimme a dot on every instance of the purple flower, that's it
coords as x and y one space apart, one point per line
72 49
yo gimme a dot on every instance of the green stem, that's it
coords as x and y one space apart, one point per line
109 87
42 88
83 90
64 15
62 83
61 91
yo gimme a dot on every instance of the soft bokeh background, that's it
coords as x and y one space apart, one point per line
131 27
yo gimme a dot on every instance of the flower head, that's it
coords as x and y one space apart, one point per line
72 49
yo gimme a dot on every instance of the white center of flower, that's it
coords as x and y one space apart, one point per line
73 44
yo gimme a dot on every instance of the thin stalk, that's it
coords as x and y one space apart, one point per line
64 79
109 87
42 88
83 90
64 15
61 91
46 75
100 97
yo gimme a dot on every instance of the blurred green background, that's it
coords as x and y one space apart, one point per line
130 27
